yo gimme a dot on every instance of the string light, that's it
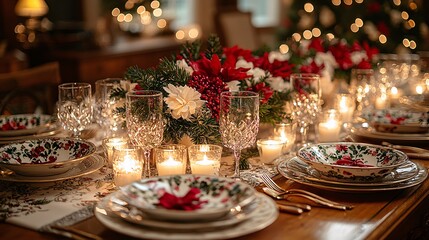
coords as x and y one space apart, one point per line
307 34
283 48
141 9
180 34
359 22
296 37
397 2
411 23
406 42
359 1
336 2
348 2
308 7
162 23
413 44
316 32
116 12
330 36
155 4
413 6
157 12
382 38
354 27
404 15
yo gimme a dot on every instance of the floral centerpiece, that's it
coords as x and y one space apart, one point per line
191 83
331 58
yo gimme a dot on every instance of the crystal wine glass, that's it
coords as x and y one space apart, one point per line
74 107
239 122
145 124
106 105
305 101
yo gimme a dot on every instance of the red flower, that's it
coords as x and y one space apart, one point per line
342 55
311 68
264 91
236 52
364 65
277 68
340 147
189 202
370 52
317 45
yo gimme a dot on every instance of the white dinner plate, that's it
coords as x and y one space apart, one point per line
264 215
87 166
297 176
134 215
50 131
402 174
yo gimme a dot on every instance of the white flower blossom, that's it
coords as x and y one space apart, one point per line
257 74
276 55
183 101
278 84
182 64
241 63
358 56
233 85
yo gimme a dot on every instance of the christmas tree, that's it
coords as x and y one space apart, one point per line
389 25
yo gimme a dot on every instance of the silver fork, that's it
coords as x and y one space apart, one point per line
273 185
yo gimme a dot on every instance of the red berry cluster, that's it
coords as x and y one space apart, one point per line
210 88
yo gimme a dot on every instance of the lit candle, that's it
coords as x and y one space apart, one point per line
127 171
286 132
170 166
329 131
330 127
205 159
381 102
205 166
110 143
346 107
269 149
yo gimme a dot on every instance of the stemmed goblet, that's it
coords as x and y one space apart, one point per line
106 105
305 101
145 123
238 122
74 109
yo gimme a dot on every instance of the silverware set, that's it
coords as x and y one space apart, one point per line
278 193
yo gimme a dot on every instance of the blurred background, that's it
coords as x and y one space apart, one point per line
95 39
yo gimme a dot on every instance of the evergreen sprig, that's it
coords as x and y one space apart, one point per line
213 47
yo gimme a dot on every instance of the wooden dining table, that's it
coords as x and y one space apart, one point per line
396 214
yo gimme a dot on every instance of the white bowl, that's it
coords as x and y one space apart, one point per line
215 197
46 156
352 161
24 124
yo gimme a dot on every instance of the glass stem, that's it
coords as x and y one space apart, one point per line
237 155
146 169
303 131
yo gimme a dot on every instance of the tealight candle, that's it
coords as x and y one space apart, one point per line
381 102
110 143
330 127
345 105
170 159
270 149
205 159
286 132
127 166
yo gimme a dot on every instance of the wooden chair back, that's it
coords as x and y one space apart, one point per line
32 90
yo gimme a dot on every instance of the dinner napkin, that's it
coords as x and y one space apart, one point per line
36 205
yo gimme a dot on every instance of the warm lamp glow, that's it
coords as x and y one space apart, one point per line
31 8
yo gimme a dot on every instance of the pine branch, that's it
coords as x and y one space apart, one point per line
213 46
191 51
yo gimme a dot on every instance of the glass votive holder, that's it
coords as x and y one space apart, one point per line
345 105
329 126
110 143
170 159
127 165
286 132
205 159
270 149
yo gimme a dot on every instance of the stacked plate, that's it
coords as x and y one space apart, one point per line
26 126
186 207
48 159
395 125
352 167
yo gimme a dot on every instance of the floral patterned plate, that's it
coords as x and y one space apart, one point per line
187 197
87 166
398 121
46 156
24 124
352 161
289 170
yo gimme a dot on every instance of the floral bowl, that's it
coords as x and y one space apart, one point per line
46 156
188 197
352 161
398 121
24 124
